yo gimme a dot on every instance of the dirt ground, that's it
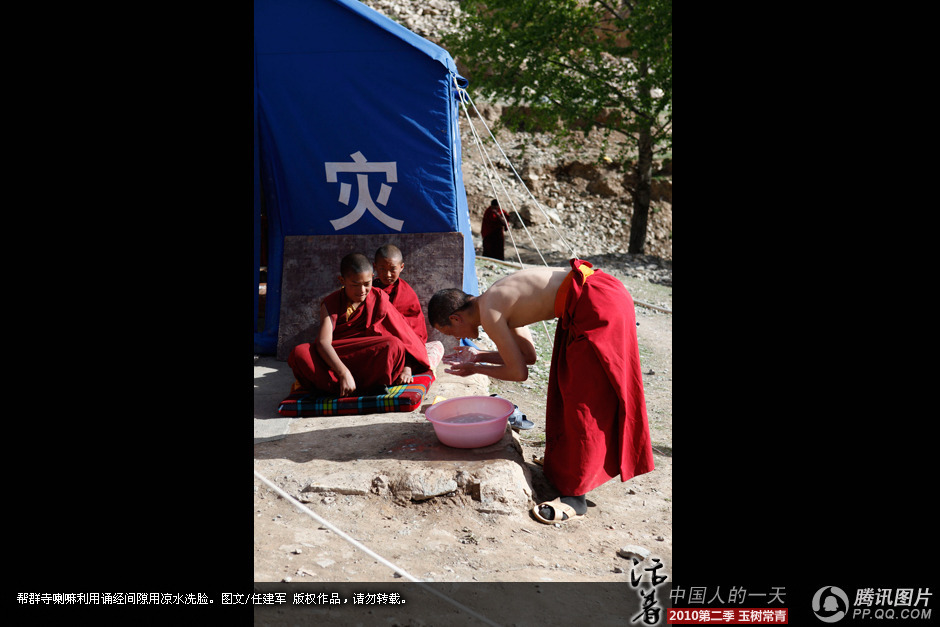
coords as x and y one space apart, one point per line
444 540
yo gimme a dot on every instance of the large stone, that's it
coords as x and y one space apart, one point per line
343 482
532 215
420 484
633 551
578 169
604 187
661 189
501 487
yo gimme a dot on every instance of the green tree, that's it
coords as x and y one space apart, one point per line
568 66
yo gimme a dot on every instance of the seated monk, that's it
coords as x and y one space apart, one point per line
595 421
364 344
388 266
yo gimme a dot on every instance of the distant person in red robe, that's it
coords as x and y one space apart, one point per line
492 228
364 343
595 422
388 265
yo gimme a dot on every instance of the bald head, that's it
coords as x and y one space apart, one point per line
390 252
355 263
445 302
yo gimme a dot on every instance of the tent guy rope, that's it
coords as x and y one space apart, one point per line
490 169
397 569
513 264
488 164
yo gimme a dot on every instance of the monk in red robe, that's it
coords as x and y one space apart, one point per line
491 230
389 262
364 343
595 423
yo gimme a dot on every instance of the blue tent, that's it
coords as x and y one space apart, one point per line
356 132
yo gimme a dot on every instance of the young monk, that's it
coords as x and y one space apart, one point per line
595 422
364 344
388 265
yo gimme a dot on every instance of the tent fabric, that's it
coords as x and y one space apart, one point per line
356 132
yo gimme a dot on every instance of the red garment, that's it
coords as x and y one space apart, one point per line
491 230
406 301
493 221
376 343
595 424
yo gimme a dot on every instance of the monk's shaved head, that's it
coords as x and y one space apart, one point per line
355 263
445 302
390 252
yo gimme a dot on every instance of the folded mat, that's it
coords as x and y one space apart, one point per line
304 403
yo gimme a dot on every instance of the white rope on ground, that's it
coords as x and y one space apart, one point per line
369 552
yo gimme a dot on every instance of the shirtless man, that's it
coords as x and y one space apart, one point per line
595 421
504 310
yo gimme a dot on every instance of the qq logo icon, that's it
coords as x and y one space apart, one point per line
830 604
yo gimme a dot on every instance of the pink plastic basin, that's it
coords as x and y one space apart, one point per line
470 421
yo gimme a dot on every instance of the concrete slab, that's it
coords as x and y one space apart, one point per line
395 455
273 379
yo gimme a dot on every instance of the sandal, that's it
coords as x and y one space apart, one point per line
558 508
517 420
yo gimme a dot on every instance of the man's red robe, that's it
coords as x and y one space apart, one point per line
491 230
595 422
376 343
406 301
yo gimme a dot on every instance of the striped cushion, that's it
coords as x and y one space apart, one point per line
303 403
